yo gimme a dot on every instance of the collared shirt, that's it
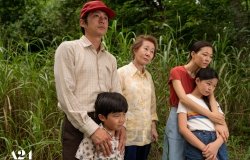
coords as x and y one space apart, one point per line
138 88
80 74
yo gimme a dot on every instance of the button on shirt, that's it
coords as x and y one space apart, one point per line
138 88
80 74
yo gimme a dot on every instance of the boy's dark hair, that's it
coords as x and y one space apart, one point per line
206 73
110 102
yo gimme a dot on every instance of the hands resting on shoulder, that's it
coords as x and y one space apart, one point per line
101 140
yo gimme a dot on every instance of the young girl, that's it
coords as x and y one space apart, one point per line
197 129
181 82
110 107
138 88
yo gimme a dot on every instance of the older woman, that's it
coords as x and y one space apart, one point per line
138 88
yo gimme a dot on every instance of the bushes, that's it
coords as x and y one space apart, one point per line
53 19
27 84
30 119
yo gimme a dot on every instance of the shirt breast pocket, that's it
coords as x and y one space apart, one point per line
107 74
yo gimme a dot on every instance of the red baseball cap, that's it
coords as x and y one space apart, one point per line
96 5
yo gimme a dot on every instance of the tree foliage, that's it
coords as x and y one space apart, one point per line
193 19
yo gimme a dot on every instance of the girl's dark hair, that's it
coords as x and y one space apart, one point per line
196 47
206 73
110 102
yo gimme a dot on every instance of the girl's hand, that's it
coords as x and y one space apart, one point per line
154 133
211 151
207 154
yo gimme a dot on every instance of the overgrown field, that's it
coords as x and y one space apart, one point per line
30 119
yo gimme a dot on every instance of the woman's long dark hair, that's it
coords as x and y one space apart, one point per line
196 47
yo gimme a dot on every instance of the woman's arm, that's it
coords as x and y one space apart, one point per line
213 116
221 128
213 103
154 134
154 117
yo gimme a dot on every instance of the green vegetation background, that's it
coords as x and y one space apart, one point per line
31 30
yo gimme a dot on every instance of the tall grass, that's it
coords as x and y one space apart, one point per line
30 120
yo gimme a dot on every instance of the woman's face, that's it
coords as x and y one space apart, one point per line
203 57
144 54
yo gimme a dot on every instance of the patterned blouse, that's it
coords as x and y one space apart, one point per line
138 88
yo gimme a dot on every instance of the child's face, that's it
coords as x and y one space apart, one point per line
114 121
206 87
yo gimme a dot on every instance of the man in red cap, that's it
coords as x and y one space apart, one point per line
83 68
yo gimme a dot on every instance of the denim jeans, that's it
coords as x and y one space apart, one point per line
206 137
174 143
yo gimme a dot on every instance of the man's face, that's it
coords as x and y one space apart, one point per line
97 23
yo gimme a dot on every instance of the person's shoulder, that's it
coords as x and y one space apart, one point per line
123 67
178 68
68 44
124 72
195 99
148 74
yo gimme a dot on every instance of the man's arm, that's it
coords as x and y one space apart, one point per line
65 80
121 134
102 139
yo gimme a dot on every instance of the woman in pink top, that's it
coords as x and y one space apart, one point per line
181 82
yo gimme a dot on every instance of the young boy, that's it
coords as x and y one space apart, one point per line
198 130
110 107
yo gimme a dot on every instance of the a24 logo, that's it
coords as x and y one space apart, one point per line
21 155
